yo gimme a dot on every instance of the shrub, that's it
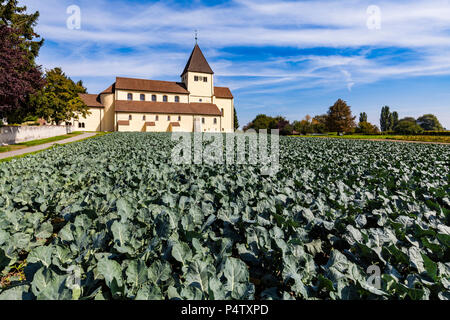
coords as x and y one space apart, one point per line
367 128
408 126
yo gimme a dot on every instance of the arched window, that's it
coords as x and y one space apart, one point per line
142 97
130 117
215 120
168 118
179 118
143 118
177 99
165 98
130 96
156 118
154 97
203 120
82 125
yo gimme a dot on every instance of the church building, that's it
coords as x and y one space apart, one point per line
192 105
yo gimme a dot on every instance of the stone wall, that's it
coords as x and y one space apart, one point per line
11 135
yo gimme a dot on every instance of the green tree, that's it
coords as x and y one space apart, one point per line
304 126
59 100
408 126
429 122
340 117
386 119
320 123
365 127
16 17
236 121
363 117
262 121
394 119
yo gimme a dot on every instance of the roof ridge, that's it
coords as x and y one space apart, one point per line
148 79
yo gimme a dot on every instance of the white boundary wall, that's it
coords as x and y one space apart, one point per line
11 135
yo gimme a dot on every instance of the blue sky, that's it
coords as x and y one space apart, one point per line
289 58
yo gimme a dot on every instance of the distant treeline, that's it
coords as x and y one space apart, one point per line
339 119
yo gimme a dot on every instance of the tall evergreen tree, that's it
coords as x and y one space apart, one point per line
363 117
236 121
386 119
15 16
394 119
340 117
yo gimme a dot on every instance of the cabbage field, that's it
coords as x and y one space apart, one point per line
112 218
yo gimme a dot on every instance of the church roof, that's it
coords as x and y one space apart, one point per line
91 100
197 62
110 89
207 109
150 85
160 86
222 92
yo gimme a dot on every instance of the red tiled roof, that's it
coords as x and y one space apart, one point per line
110 89
207 109
91 100
222 92
197 62
150 124
123 123
175 124
150 85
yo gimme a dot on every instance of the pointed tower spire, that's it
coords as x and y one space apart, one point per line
197 62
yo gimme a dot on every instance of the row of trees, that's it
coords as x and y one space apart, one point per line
339 119
389 122
25 91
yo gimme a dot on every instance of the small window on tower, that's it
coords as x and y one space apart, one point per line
177 99
168 118
156 118
165 98
205 79
203 120
215 120
179 118
143 118
154 98
130 96
142 97
195 78
130 117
